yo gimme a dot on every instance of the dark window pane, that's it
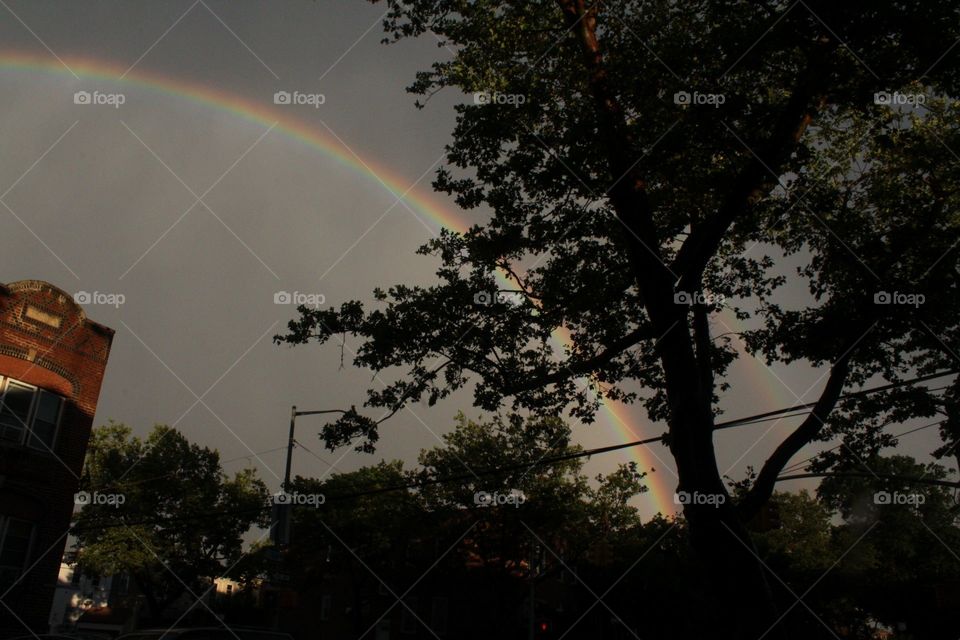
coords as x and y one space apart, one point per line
14 410
16 544
48 409
45 421
42 437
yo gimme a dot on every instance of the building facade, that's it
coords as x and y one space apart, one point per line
76 594
52 362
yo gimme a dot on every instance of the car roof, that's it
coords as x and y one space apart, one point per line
175 631
48 636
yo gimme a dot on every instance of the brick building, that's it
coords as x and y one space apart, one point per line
52 361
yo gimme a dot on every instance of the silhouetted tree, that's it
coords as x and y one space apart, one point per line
649 163
162 510
905 569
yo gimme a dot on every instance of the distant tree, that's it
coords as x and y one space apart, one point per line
358 534
904 570
801 534
801 546
552 504
648 163
472 528
371 525
162 510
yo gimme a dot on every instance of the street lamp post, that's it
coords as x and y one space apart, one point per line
293 424
290 440
281 512
281 518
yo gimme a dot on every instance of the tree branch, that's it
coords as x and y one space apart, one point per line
701 334
762 488
581 367
628 192
755 178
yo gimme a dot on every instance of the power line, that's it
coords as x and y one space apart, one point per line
399 487
854 394
176 471
600 450
884 476
255 453
547 461
318 457
801 464
492 470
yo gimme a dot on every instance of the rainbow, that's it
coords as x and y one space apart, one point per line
82 70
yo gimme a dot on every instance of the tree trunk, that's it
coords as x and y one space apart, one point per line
741 603
143 584
743 607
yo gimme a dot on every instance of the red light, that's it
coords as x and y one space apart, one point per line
544 626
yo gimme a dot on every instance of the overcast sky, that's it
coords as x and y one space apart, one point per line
101 202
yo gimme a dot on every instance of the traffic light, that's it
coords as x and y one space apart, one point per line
767 519
280 525
771 512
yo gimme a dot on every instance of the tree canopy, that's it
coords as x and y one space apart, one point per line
162 510
652 169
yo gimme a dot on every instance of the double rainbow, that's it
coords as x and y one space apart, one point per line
255 112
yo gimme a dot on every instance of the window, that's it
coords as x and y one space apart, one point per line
45 420
15 537
123 584
408 622
14 411
28 415
438 615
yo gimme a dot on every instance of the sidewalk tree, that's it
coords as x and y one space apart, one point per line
162 510
553 508
474 532
906 569
636 157
351 531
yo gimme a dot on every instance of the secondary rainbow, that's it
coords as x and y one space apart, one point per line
82 70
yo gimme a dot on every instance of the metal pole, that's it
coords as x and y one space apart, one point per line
532 627
293 421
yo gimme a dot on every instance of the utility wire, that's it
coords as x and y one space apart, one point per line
176 471
318 457
546 461
399 487
885 476
801 464
844 396
255 453
489 471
